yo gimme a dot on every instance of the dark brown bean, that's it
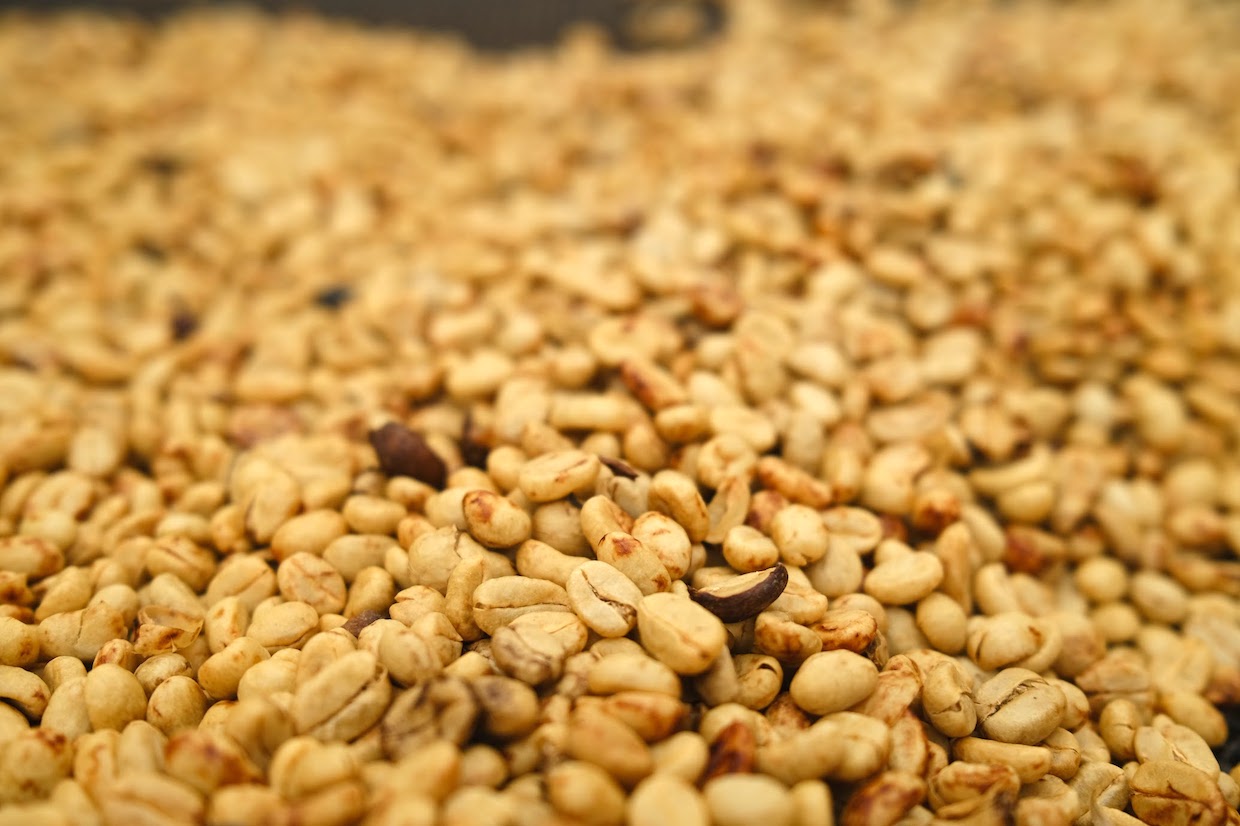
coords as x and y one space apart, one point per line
744 596
403 452
355 624
184 324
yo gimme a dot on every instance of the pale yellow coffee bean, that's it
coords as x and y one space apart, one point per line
344 699
800 534
736 799
19 642
679 632
31 765
1101 579
943 622
665 798
494 520
354 553
1171 791
833 681
225 621
221 673
597 737
676 495
113 697
25 690
281 625
304 577
275 675
539 560
776 635
604 598
1196 713
372 514
841 746
498 601
247 578
947 700
601 515
1158 597
683 755
555 475
559 524
531 653
65 712
639 563
586 792
905 580
747 549
759 678
667 539
177 704
1031 763
1019 706
813 803
632 672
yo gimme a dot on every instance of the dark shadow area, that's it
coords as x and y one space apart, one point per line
1228 754
487 24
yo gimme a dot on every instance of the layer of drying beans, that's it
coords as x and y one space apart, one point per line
835 422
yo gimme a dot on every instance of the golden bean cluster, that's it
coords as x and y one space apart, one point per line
837 420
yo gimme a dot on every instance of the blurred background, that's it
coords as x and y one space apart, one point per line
488 24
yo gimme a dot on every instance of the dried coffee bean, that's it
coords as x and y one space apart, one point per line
663 799
604 598
679 632
742 597
833 681
1019 706
1168 791
404 452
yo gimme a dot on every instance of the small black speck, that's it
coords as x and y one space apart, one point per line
162 164
150 250
334 297
184 323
